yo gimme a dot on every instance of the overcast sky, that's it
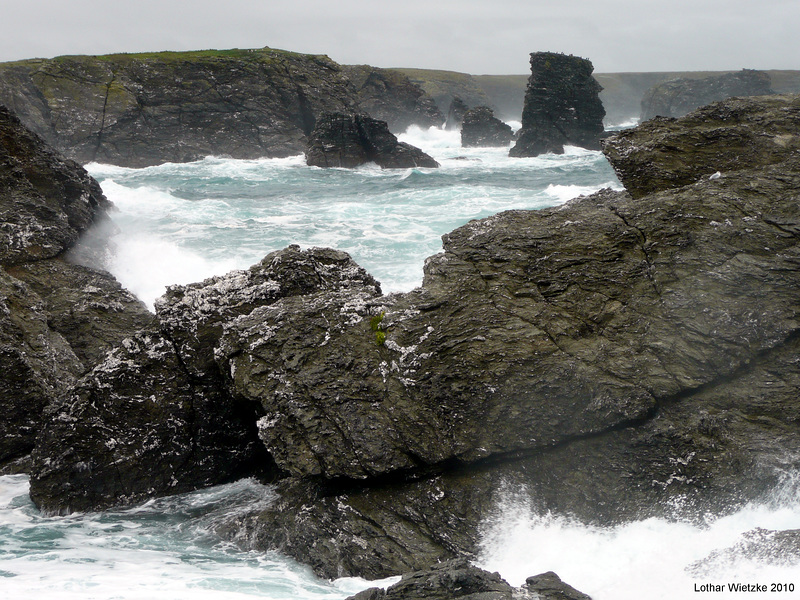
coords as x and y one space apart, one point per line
473 36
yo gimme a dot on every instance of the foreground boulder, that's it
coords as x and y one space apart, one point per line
458 579
678 97
480 128
714 140
345 140
562 106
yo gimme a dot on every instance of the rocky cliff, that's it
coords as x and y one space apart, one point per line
562 106
677 97
143 109
57 318
611 358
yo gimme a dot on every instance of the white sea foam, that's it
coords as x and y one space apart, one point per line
654 558
185 222
161 550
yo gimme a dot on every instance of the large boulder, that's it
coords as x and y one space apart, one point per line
350 140
678 97
714 140
480 128
562 106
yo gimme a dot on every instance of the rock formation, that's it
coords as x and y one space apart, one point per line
605 358
721 138
142 109
388 95
56 318
678 97
480 128
455 114
455 579
562 106
345 140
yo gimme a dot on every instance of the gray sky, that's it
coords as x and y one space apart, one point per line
473 36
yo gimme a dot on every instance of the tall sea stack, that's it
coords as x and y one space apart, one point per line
562 106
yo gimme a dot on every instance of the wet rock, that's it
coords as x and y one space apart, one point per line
47 202
548 586
444 581
562 106
760 546
88 307
37 363
455 114
480 128
678 97
139 426
344 140
726 136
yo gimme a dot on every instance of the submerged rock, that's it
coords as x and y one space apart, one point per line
678 97
720 138
562 106
480 128
344 140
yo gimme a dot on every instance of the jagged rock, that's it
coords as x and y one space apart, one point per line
455 114
389 95
480 128
139 426
562 106
88 307
47 202
548 586
37 364
680 96
445 581
725 136
137 110
343 140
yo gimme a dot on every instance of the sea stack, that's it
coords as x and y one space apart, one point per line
562 106
480 128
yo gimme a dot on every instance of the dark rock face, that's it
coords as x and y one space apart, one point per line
480 128
160 432
680 96
137 110
727 136
548 586
444 581
388 95
56 319
343 140
47 202
562 106
455 114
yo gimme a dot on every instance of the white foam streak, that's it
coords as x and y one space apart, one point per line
654 558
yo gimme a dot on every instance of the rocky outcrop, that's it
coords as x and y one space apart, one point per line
680 96
611 358
455 114
57 319
344 140
389 95
480 128
712 141
142 109
562 106
458 579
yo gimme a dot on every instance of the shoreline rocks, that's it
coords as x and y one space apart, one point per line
480 128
